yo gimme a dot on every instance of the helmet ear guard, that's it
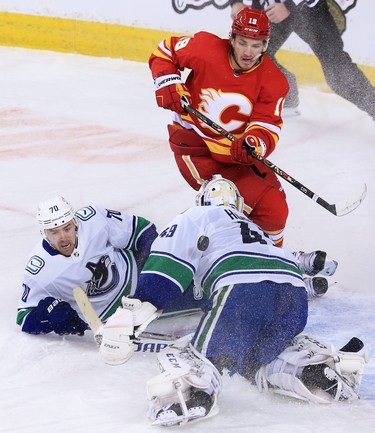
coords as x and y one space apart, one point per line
54 213
219 192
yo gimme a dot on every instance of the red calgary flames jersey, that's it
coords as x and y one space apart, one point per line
237 101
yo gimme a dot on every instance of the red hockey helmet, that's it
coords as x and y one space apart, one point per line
251 23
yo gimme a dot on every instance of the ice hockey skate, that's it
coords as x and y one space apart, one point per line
316 286
315 263
199 405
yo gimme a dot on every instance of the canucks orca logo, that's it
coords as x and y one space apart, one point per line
105 276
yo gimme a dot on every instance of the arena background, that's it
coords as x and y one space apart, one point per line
131 30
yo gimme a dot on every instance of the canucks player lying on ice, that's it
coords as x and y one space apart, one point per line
253 326
98 249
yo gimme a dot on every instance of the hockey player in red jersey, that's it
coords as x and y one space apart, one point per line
234 83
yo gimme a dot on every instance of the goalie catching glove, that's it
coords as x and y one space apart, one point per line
169 90
116 337
186 390
242 148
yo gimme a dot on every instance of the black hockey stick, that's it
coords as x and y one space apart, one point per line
336 209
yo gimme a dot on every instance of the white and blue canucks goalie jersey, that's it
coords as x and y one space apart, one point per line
212 246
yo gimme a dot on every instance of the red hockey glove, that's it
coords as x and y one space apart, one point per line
243 146
169 89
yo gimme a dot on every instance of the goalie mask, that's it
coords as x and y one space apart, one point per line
219 192
54 213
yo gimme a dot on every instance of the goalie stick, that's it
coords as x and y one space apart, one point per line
152 342
87 309
339 209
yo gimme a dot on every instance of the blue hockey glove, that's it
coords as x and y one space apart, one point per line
63 318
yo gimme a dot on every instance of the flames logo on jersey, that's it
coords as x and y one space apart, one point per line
105 276
228 109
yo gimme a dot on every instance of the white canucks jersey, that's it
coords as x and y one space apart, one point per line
218 246
103 263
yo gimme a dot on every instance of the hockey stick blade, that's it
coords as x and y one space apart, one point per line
348 206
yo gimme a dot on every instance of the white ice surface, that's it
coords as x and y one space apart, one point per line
89 129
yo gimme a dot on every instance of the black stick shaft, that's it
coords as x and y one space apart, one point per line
330 207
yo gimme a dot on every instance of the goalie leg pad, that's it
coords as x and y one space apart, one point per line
186 390
311 370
